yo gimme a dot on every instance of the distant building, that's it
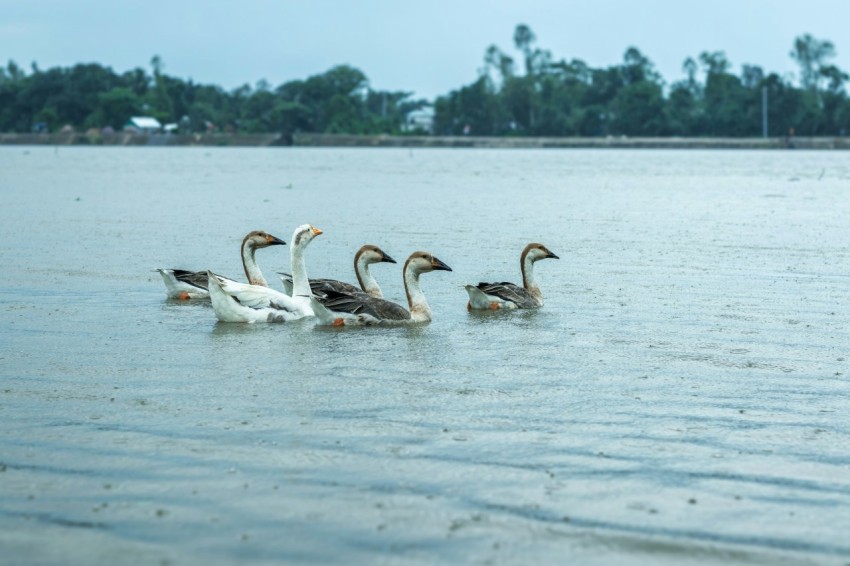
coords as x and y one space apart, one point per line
421 120
143 125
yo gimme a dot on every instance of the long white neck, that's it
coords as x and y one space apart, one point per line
419 309
528 280
367 282
300 284
252 270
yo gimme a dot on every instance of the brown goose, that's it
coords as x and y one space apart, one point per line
365 256
507 295
184 285
341 309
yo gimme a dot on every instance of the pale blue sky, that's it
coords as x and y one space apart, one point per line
428 47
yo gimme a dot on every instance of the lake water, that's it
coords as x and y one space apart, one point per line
682 397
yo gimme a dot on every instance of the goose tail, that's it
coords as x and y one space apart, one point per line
220 300
286 279
324 315
478 299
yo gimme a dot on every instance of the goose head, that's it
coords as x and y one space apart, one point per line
424 262
373 254
303 235
260 239
536 252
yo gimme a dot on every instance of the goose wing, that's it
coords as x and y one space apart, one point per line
362 304
194 278
510 292
321 286
238 302
257 297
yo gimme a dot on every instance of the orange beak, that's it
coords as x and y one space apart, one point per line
316 231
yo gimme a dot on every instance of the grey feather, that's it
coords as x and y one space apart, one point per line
510 292
320 287
362 304
195 278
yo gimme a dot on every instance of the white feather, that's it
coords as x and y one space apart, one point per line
240 302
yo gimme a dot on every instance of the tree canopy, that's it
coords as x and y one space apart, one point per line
93 96
568 98
527 93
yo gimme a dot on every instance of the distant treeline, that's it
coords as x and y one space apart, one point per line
543 97
568 98
93 96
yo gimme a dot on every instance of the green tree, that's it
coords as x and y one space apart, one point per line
524 38
474 107
811 55
539 96
161 106
50 116
638 110
638 68
498 66
115 107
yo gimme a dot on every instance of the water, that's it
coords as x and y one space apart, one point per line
682 397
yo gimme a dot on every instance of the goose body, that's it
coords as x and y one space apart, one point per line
357 309
505 295
365 256
238 302
184 284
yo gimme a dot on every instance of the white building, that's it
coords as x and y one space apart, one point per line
143 125
421 120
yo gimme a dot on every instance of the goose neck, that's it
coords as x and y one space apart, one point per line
528 281
527 267
419 309
365 278
249 264
300 284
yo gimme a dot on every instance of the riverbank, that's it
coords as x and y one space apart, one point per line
121 138
345 140
334 140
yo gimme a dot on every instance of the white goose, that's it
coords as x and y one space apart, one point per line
237 302
183 284
365 256
341 309
507 295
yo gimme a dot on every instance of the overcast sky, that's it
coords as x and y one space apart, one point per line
429 47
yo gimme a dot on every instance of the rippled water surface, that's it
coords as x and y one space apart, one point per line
682 397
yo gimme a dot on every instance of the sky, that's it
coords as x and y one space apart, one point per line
427 47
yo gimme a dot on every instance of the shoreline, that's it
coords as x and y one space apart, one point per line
347 140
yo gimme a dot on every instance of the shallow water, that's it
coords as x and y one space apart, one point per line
682 397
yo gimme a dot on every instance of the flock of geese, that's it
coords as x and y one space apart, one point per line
338 303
